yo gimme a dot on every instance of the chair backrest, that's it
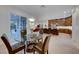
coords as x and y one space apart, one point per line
45 44
6 42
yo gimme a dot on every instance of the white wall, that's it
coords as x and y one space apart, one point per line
5 12
75 24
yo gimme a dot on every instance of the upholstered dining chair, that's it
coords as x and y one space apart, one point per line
12 49
42 48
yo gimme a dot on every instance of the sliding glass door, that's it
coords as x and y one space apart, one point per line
23 28
17 26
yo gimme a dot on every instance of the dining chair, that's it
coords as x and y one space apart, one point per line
42 48
12 49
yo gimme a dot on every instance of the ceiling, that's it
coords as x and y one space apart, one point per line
37 10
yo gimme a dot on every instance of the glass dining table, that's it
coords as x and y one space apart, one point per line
33 40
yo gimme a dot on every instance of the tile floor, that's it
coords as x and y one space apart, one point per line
61 44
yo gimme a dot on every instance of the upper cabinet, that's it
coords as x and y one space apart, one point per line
61 22
68 21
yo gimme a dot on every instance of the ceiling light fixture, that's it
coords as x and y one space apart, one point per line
43 6
31 19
